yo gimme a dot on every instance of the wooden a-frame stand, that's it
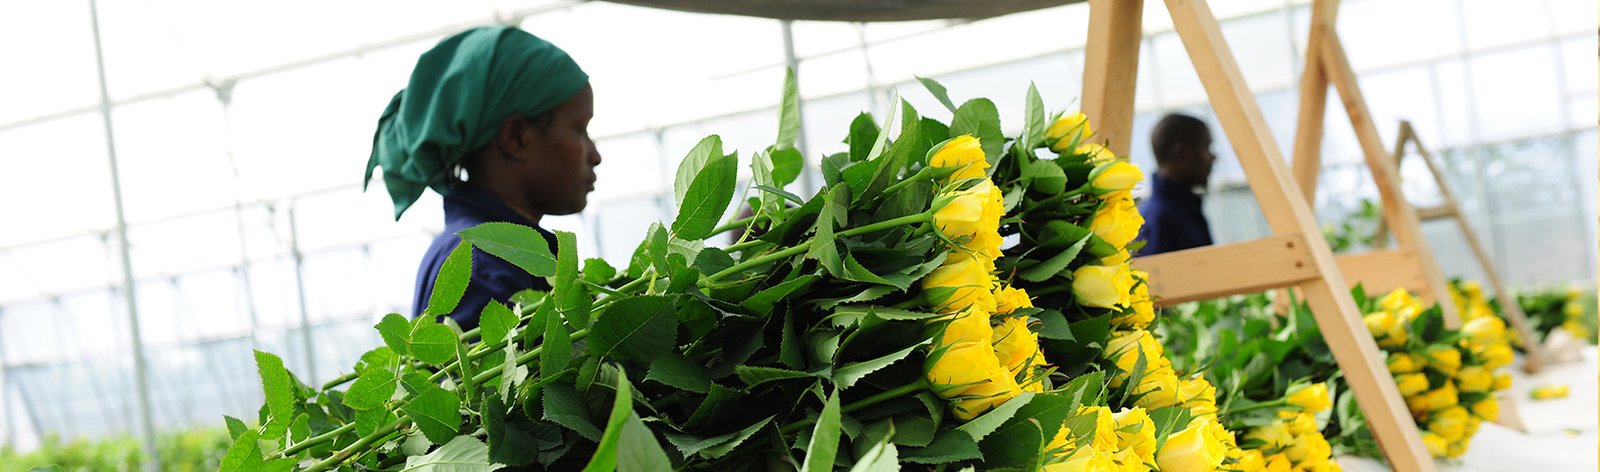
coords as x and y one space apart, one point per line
1294 256
1537 355
1411 264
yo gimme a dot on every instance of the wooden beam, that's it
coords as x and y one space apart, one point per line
1443 210
1384 270
1313 101
1217 271
1111 70
1397 211
1287 212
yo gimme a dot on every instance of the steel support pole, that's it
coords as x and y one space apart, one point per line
147 429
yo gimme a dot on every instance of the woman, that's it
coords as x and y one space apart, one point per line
495 120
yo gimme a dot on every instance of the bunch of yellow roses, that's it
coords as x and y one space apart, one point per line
1293 440
1111 284
984 356
1448 380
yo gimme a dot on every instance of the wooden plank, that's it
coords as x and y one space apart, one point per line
1287 212
1443 210
1313 102
1111 70
1382 271
1397 211
1217 271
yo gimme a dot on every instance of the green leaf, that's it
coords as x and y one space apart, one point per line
720 401
555 353
757 375
509 439
824 446
847 375
833 213
762 301
236 426
863 131
979 118
243 455
1055 264
520 245
368 421
396 333
881 143
986 423
883 457
1034 125
433 343
460 454
571 297
708 148
938 92
707 199
675 370
948 446
451 281
380 357
789 112
1019 441
565 406
436 412
638 449
495 322
279 393
464 365
1048 178
371 389
786 165
605 454
1054 325
640 329
716 446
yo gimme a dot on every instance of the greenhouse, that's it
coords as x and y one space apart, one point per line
1181 235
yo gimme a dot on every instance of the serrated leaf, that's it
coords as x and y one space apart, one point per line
1055 264
279 393
757 375
939 93
762 301
396 333
675 370
638 449
380 357
883 457
556 351
509 440
641 329
847 375
707 199
571 298
244 454
948 446
703 151
495 322
598 271
824 445
979 118
460 454
436 412
371 389
1033 125
986 423
605 454
789 112
451 281
823 249
564 406
433 343
863 131
368 421
786 166
1022 437
520 245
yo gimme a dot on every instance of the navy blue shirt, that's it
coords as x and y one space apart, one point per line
492 278
1173 220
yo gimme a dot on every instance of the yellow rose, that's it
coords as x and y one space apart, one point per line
1017 347
1547 392
1278 463
1191 449
1445 359
1129 461
1411 384
1443 397
1402 363
1117 222
1472 288
971 218
1067 130
1096 154
1116 258
1273 436
1196 391
1312 398
1101 286
1474 379
1008 299
964 153
1105 427
1312 448
1302 423
1061 444
1497 356
960 283
1115 176
1436 443
1158 388
1472 427
970 325
1456 449
1125 347
1488 409
1251 461
1502 381
1450 423
1386 327
1417 405
1483 332
1136 432
1397 299
969 374
1084 459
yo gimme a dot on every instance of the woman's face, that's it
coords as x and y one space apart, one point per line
558 178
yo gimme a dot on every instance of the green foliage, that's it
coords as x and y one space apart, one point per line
181 451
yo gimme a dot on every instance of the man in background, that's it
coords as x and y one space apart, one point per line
1172 213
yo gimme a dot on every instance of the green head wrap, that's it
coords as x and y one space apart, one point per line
456 98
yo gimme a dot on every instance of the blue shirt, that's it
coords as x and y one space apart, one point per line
1173 220
492 278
